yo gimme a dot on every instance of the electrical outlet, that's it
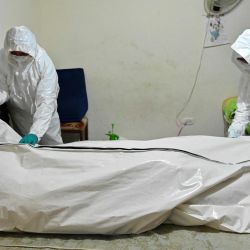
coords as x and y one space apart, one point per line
187 121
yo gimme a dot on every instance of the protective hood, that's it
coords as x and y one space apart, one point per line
242 45
244 67
21 39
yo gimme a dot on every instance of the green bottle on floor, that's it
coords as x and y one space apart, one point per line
112 136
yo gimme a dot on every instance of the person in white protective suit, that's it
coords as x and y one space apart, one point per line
29 86
241 57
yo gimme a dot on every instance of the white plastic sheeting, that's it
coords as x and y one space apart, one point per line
123 187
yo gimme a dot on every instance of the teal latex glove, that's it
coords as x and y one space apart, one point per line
29 139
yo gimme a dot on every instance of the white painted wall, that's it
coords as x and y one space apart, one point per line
16 12
140 59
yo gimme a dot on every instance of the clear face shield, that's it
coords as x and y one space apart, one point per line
244 84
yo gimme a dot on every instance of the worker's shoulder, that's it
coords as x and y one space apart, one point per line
42 59
42 55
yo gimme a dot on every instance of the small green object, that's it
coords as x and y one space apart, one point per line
229 108
248 129
112 136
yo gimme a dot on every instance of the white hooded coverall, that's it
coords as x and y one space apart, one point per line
241 49
29 85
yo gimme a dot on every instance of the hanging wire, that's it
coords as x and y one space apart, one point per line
178 122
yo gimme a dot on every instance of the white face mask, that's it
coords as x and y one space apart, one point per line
20 61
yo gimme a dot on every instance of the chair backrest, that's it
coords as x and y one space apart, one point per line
72 98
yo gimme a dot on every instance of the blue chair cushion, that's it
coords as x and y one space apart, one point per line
72 98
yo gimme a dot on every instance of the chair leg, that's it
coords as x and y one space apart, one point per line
81 136
86 132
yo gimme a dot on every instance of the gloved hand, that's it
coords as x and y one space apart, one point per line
29 139
236 130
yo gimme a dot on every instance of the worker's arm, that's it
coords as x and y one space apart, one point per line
4 92
46 97
4 95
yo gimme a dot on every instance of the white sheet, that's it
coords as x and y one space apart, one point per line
104 187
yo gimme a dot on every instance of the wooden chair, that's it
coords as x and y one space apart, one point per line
73 102
80 128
